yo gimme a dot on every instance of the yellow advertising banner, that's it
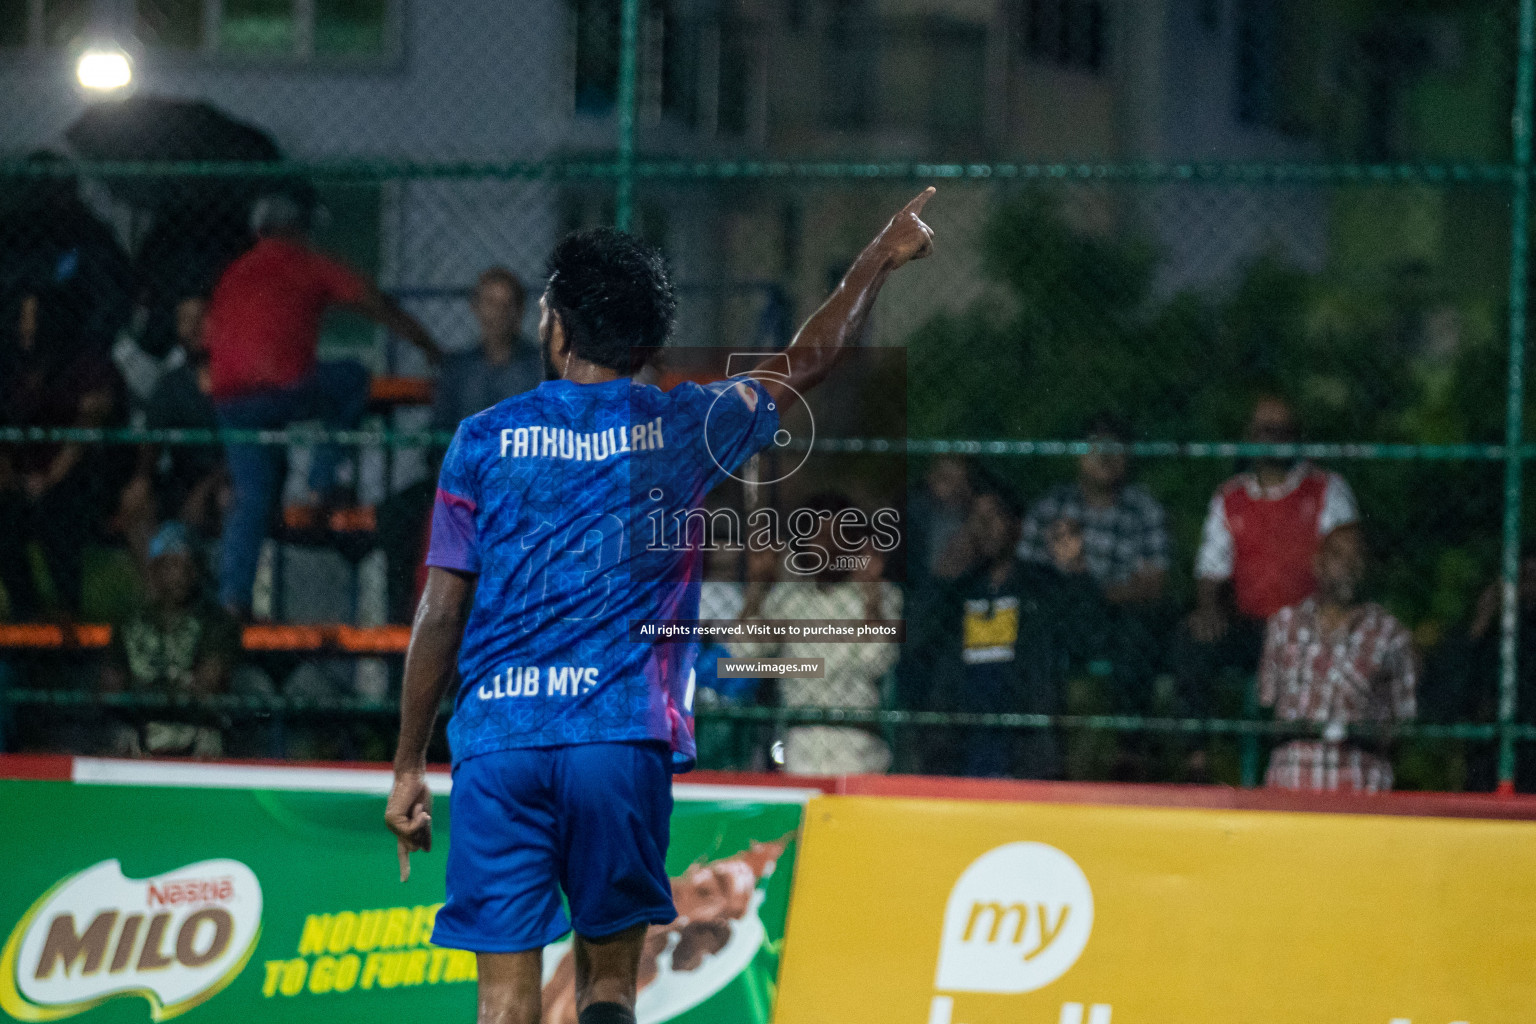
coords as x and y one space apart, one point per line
953 912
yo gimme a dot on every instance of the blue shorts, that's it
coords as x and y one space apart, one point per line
591 819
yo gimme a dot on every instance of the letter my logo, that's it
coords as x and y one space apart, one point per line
175 939
1017 919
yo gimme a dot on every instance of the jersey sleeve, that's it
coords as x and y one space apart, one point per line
1339 506
740 419
1214 561
455 540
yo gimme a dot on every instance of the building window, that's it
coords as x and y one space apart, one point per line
1066 33
597 31
312 30
690 69
735 63
352 27
257 27
957 83
850 59
170 24
1258 85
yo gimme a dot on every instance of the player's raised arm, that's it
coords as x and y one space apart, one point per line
821 341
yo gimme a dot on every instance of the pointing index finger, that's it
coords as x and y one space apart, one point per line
917 204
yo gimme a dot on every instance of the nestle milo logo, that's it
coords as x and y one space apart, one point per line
175 939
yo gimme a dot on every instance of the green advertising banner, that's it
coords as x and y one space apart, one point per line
131 903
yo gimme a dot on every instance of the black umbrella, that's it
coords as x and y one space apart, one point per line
151 128
199 220
156 128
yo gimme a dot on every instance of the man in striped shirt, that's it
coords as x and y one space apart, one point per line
1337 662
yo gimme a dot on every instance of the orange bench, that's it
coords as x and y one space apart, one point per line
267 638
393 391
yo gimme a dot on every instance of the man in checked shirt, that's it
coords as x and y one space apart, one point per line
1124 541
1125 533
1336 661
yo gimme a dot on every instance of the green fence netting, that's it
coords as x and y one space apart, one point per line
1158 214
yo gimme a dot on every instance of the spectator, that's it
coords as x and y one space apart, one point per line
183 482
158 339
1126 549
937 515
1465 670
1336 661
1257 547
1125 536
853 671
937 552
180 645
1017 625
503 364
58 496
140 370
50 239
194 234
263 330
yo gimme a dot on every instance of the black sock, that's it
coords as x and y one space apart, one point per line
606 1013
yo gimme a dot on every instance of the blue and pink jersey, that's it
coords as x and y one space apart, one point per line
553 498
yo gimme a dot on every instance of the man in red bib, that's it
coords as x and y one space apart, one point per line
1261 535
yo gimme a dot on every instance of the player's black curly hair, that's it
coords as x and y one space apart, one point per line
613 296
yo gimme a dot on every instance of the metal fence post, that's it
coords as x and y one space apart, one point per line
1251 754
629 66
1514 430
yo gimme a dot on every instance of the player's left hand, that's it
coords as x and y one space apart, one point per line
409 816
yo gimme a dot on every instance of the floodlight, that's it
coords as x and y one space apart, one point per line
104 69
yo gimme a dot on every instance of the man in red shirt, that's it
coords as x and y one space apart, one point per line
262 331
1261 534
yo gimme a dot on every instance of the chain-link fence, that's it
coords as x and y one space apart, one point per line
1155 216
